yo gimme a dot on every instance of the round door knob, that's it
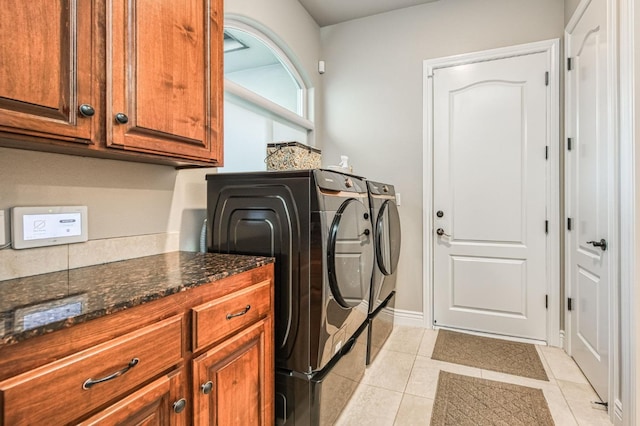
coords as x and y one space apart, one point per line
86 110
122 118
179 405
207 387
366 215
440 213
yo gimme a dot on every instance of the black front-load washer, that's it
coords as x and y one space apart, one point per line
316 223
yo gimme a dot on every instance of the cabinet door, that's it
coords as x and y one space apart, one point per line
164 93
46 68
233 382
159 403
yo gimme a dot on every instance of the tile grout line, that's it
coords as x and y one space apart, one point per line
404 390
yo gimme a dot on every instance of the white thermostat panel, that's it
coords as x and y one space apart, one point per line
48 226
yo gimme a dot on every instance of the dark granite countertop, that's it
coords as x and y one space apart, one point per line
36 305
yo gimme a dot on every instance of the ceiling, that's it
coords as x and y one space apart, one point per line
329 12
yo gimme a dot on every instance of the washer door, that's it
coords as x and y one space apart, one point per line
388 238
350 254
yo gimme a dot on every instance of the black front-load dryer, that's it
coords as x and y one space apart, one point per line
316 223
386 227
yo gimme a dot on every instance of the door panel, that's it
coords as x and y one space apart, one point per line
487 195
186 76
490 133
46 55
473 276
589 117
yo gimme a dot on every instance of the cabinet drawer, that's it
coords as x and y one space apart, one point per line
154 404
62 391
215 320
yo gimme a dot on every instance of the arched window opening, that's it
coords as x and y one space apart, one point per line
266 98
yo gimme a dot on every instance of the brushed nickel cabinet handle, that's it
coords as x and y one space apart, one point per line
207 387
90 382
239 314
179 405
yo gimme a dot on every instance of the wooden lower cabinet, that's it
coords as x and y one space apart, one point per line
233 382
142 366
159 403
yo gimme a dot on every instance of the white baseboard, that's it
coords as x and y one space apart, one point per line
408 318
617 412
562 340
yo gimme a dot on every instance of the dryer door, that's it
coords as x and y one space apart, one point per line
388 238
350 254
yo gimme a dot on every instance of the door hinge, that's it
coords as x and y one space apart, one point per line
546 152
546 78
546 226
568 224
569 64
569 144
546 301
569 304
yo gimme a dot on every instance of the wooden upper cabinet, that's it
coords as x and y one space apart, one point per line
46 61
164 77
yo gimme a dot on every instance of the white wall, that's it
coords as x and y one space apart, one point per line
123 198
130 208
569 7
374 92
635 321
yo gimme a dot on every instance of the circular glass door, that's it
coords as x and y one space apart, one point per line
388 238
350 254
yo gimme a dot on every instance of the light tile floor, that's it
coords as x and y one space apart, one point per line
398 389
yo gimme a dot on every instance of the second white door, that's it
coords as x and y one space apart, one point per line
590 201
490 124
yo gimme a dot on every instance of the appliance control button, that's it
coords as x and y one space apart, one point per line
385 188
348 182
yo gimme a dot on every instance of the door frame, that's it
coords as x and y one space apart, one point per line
616 185
552 49
626 377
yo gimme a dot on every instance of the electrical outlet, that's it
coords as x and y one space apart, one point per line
3 229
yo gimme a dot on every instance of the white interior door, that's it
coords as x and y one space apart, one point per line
490 127
589 195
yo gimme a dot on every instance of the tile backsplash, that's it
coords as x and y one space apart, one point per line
26 262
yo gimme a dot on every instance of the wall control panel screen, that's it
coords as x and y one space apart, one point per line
43 226
47 226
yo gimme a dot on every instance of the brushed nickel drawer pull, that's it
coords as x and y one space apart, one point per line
90 382
239 314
